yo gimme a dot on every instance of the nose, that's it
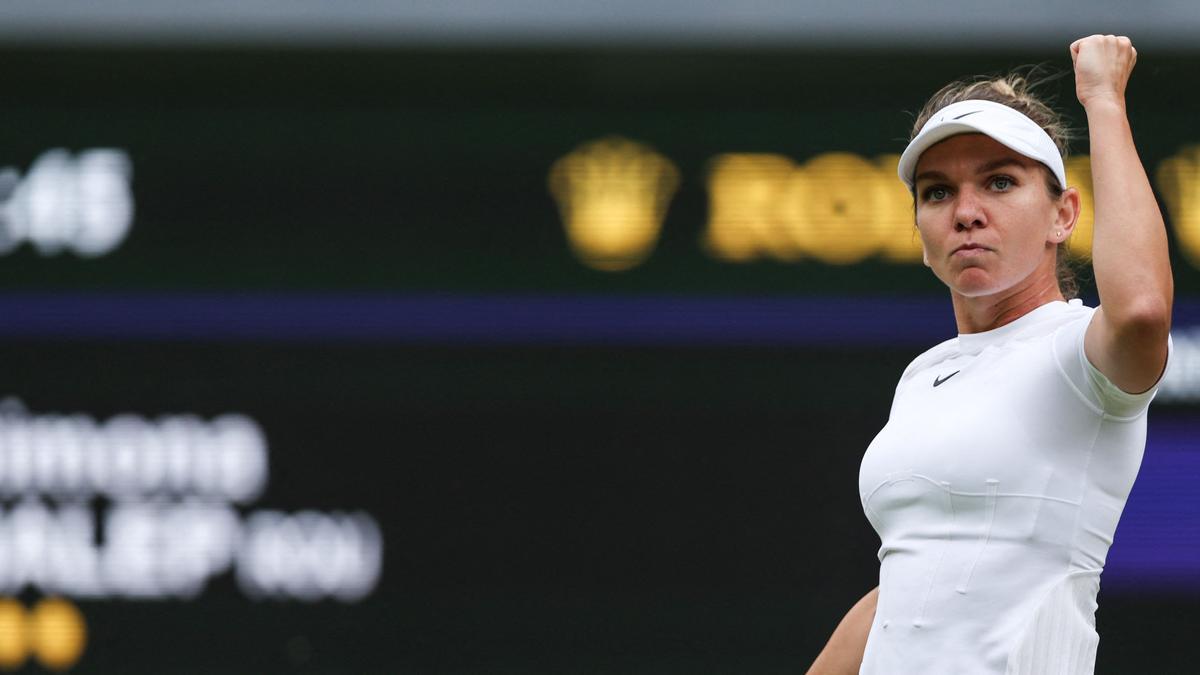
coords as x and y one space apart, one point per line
968 211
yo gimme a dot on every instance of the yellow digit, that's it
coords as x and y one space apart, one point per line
59 633
14 634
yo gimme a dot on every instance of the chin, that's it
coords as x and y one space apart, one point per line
974 282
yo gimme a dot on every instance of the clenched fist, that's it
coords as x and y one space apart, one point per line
1102 67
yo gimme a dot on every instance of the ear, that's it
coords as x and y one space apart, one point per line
924 251
1066 214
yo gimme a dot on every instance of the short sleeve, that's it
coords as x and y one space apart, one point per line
1092 384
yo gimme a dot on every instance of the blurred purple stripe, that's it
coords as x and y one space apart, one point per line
506 319
1157 545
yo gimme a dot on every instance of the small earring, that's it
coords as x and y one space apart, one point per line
1058 233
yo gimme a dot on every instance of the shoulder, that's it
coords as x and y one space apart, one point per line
1064 317
1068 328
1073 314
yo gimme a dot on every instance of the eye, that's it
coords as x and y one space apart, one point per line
1002 183
935 193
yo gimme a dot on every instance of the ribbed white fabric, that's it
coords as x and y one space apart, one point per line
996 486
1061 636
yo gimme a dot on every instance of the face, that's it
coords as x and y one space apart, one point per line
987 221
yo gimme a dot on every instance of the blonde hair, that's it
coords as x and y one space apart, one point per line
1019 91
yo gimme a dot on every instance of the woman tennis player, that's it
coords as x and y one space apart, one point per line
997 482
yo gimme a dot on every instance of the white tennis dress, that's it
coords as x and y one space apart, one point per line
995 488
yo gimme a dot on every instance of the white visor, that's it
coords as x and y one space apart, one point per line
1005 125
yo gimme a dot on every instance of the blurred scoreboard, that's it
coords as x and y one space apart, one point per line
512 171
443 361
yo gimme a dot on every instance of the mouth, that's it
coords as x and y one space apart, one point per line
970 249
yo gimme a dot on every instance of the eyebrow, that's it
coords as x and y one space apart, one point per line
931 175
983 168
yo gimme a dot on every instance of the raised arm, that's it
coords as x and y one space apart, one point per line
843 654
1127 339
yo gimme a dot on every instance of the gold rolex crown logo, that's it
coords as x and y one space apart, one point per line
612 195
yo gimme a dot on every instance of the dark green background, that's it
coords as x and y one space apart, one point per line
545 510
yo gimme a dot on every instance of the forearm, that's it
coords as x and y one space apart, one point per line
843 654
1129 246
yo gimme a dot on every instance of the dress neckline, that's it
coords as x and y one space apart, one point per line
973 343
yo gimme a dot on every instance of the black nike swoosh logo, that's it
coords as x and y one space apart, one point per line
968 113
939 380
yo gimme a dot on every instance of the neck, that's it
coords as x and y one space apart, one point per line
984 313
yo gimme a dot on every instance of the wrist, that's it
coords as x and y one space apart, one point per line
1105 104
